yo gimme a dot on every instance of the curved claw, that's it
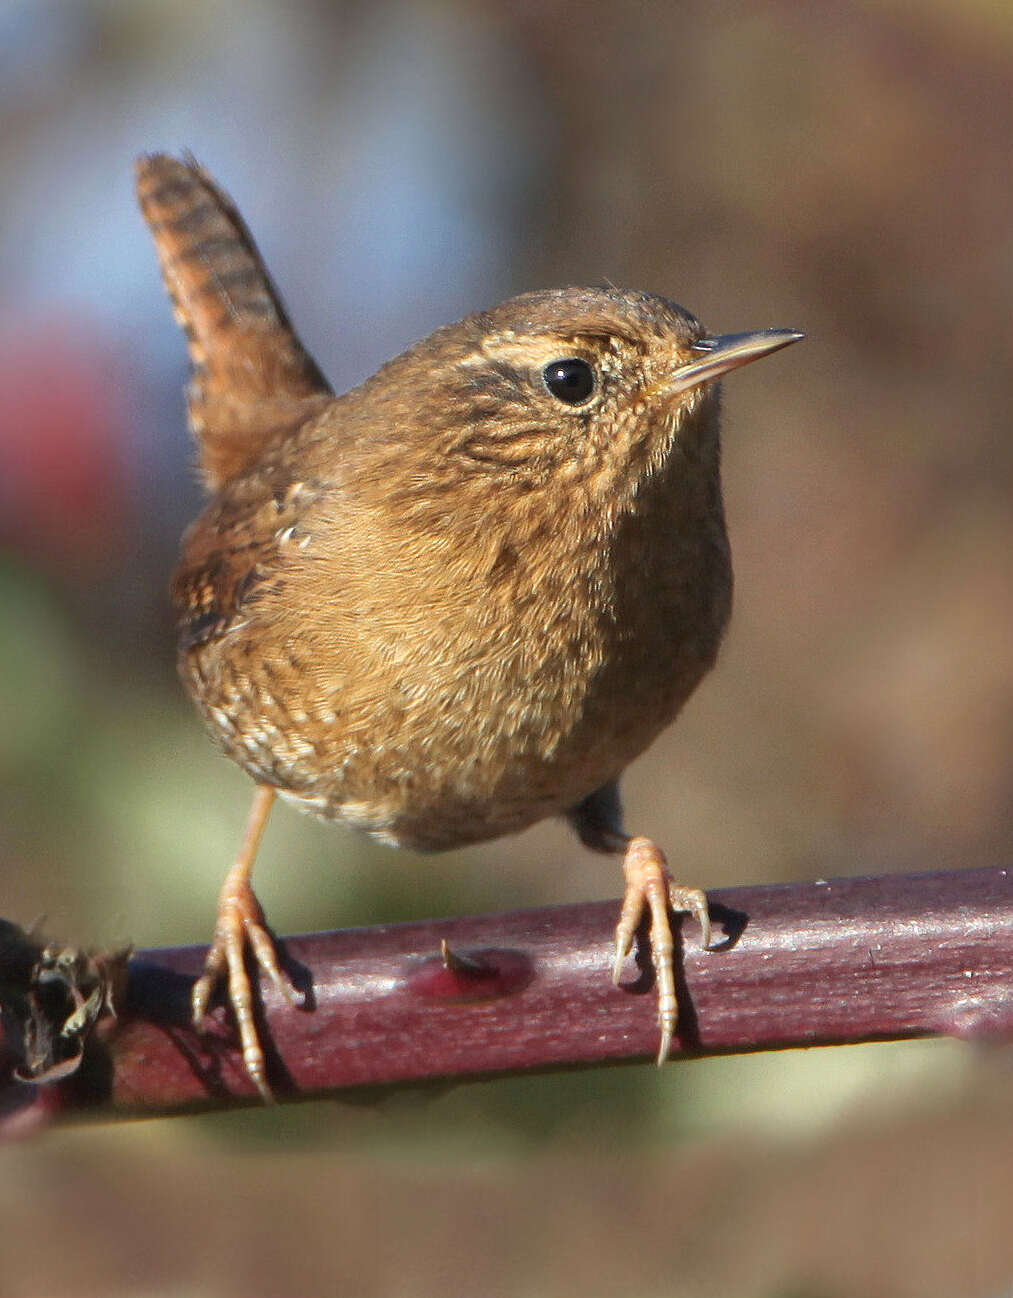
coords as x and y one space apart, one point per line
650 886
241 923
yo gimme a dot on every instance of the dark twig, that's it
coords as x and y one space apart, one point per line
798 965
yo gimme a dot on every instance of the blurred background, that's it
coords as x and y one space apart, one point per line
842 168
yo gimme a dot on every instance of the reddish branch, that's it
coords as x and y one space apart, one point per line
798 965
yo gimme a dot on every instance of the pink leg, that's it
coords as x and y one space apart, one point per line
240 922
649 884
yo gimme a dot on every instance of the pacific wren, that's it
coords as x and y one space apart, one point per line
459 598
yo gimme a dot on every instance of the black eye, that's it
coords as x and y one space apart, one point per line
570 380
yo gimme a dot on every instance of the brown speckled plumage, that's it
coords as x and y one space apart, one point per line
448 603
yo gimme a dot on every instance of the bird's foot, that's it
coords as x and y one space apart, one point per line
649 885
241 924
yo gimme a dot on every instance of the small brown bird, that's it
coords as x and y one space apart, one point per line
459 598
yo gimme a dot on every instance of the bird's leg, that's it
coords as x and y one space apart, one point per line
240 922
650 887
649 884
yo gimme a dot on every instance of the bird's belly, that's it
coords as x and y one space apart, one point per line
453 769
462 740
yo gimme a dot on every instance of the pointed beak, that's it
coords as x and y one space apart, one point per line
727 352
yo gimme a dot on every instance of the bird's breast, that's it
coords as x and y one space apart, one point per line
432 701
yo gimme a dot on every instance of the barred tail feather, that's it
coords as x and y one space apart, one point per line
252 378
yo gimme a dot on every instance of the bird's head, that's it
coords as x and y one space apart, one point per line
582 387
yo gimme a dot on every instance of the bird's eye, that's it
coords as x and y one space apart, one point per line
571 380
